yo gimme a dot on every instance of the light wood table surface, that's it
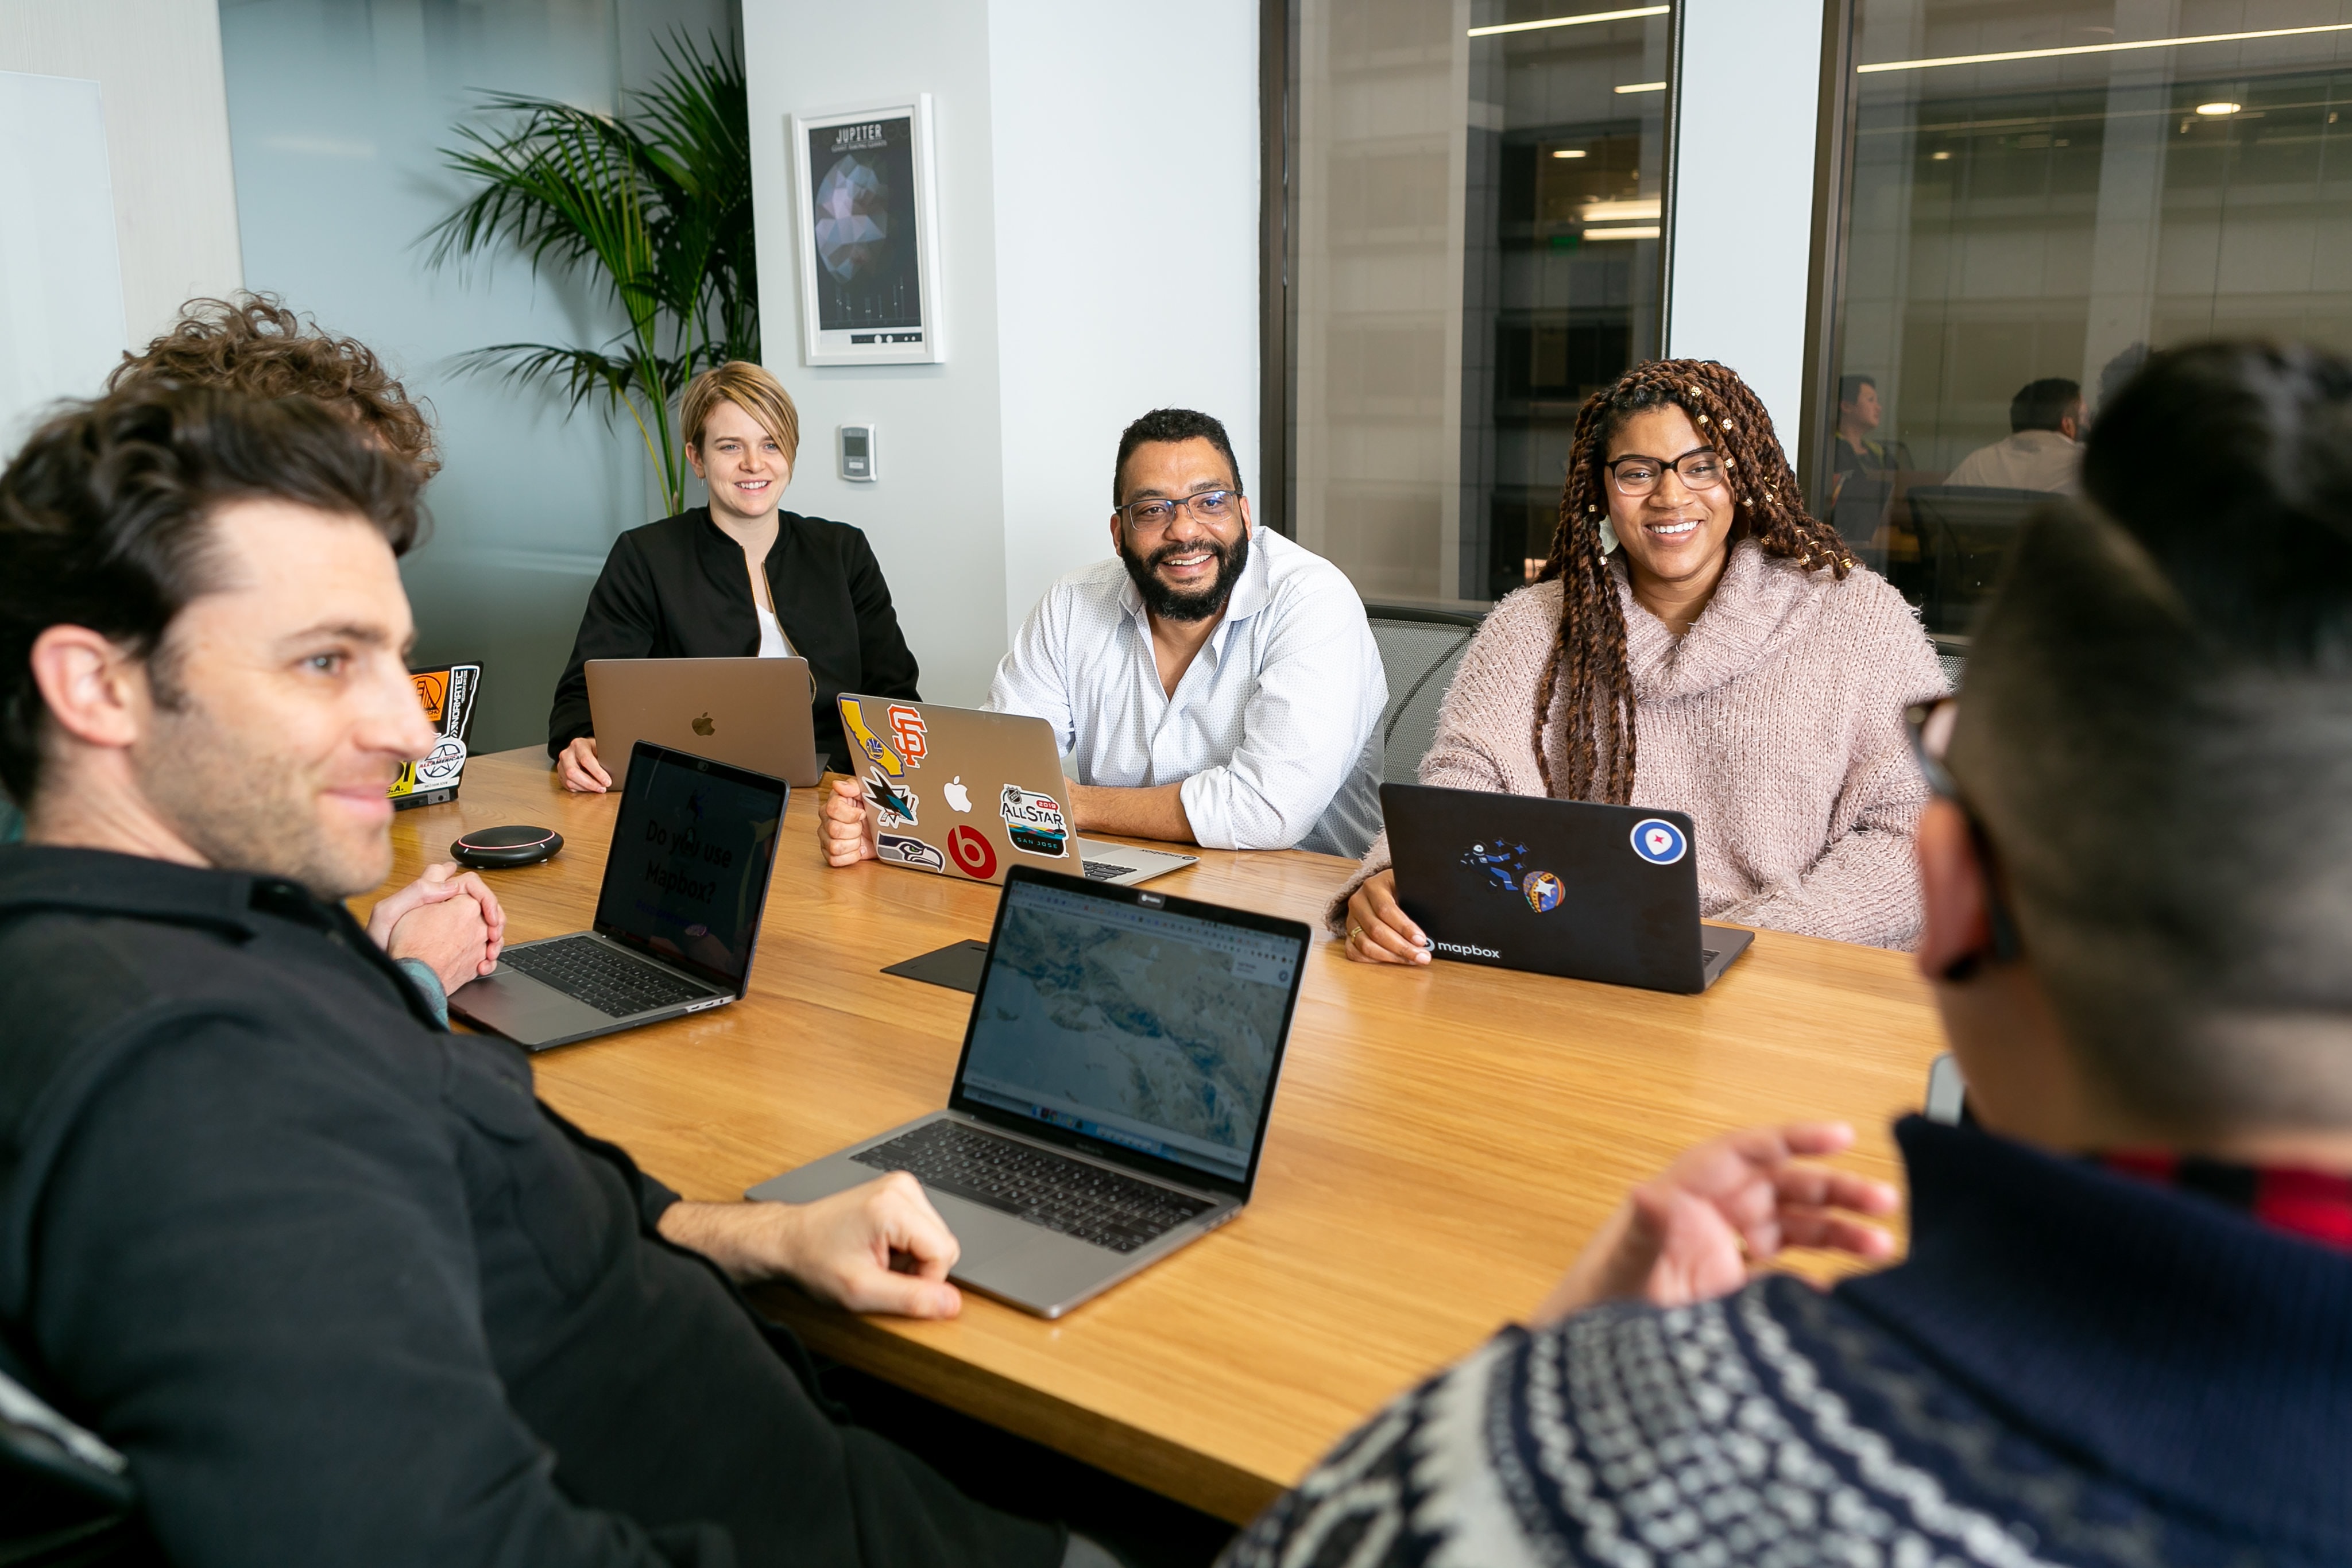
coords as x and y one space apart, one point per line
1442 1139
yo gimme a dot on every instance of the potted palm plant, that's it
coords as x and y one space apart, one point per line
655 204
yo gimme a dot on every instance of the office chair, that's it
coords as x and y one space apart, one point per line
66 1499
1966 532
1419 649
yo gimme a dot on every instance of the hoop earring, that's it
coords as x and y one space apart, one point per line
1608 539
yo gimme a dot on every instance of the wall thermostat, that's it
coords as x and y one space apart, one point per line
857 452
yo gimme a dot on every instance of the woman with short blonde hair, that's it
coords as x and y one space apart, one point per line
736 578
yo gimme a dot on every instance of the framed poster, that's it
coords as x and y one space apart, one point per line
869 262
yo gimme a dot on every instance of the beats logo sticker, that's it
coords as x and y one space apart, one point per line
973 854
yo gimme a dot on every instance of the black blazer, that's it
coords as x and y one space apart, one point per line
677 589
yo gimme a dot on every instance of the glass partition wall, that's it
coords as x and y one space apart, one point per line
1475 234
2039 195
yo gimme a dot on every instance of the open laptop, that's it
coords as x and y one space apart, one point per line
1560 887
753 712
1112 1098
965 793
694 845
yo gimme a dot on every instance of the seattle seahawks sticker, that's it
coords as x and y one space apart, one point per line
901 850
1658 841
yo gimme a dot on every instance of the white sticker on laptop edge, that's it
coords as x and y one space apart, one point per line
1034 822
1658 841
444 762
900 850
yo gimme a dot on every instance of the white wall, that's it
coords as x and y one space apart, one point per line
1058 144
157 67
1746 117
60 276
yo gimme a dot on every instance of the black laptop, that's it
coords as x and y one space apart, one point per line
1559 887
694 845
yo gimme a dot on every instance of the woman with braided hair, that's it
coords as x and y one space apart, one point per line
1696 642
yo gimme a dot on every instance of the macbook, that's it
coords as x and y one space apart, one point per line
1560 887
694 844
753 712
964 793
1112 1098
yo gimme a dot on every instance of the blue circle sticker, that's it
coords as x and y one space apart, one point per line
1658 841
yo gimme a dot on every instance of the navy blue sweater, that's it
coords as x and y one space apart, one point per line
2072 1366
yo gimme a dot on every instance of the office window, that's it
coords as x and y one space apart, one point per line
1475 221
2037 196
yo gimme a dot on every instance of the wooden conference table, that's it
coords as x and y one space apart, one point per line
1442 1139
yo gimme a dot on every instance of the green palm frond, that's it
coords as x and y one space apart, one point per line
655 208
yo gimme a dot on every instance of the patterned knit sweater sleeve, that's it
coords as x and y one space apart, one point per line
1486 725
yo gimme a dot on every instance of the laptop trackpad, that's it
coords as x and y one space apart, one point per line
990 1239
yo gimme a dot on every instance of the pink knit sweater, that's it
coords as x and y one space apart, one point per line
1775 721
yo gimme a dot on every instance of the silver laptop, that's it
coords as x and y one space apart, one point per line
753 712
1111 1103
965 793
694 847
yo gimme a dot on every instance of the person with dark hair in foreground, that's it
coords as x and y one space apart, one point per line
2124 1332
327 1275
1215 684
2046 421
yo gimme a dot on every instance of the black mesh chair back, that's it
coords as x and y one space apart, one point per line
1966 532
1419 650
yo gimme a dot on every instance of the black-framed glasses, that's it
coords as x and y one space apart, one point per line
1634 475
1931 724
1154 513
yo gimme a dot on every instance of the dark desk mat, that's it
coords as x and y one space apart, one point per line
957 966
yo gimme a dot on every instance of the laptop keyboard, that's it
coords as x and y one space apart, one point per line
1709 955
614 984
1045 1188
1102 871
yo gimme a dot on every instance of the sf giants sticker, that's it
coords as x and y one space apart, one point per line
973 853
1659 842
900 850
1034 822
886 762
907 729
894 801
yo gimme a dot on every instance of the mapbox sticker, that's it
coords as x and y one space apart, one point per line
1659 842
1034 822
900 850
896 803
907 729
973 854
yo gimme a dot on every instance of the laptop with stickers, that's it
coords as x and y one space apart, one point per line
1559 887
1111 1102
959 792
750 711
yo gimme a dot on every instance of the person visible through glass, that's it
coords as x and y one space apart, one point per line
2046 421
737 578
1691 616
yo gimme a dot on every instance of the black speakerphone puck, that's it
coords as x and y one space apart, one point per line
499 848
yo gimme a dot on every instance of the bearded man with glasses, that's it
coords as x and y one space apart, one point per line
1215 685
2124 1332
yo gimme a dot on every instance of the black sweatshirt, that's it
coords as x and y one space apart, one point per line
344 1292
677 589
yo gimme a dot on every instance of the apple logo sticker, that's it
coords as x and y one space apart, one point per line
958 797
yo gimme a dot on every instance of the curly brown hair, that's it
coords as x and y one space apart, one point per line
252 344
1589 652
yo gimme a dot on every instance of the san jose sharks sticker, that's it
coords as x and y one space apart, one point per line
1034 822
894 801
1659 842
901 850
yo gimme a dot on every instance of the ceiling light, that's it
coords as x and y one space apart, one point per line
2096 48
2220 106
1939 157
1641 86
1570 21
1567 151
1591 234
1619 211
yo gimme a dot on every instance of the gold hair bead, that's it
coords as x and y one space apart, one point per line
1849 563
1805 560
1728 426
1702 419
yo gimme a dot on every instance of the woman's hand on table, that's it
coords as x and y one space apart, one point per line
844 830
577 767
1693 1232
1379 931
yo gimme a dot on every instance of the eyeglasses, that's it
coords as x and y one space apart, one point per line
1931 724
1635 475
1156 512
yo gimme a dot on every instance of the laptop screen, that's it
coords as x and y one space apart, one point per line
687 873
1142 1028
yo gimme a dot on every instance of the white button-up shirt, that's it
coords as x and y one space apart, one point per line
1275 729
